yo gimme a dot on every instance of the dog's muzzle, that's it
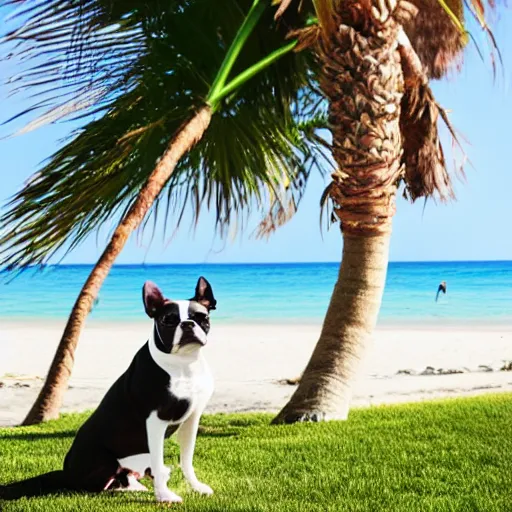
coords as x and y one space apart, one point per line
189 336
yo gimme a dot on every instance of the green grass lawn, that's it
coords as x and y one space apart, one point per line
437 456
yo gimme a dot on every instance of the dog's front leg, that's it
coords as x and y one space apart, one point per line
186 437
155 428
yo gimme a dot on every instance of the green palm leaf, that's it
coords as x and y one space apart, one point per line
264 134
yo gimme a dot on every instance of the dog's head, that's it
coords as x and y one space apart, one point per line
180 326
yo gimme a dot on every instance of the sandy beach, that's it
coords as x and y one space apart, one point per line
249 363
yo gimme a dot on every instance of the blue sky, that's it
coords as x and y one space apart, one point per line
475 227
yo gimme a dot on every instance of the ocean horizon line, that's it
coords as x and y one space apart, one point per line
263 291
253 263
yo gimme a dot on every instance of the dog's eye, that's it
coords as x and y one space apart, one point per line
201 319
170 320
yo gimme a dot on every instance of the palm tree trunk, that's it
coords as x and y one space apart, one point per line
362 77
325 389
49 401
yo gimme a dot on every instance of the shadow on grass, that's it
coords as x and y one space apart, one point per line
35 436
70 434
216 432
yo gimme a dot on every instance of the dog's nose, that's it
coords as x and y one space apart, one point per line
187 324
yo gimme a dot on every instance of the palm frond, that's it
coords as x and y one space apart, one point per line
69 50
439 32
252 144
426 174
325 10
282 6
286 196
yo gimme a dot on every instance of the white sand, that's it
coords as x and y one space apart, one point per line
248 360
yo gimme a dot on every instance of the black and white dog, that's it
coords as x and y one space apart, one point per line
166 387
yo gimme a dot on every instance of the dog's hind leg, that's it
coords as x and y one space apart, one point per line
133 485
93 471
126 481
137 466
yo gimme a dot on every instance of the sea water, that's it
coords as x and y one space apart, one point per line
286 292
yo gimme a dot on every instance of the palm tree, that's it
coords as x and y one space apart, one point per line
382 116
157 75
377 59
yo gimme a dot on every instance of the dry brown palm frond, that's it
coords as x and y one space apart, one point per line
425 167
426 174
438 33
306 37
434 36
325 11
283 5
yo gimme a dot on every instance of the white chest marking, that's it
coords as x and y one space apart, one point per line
190 375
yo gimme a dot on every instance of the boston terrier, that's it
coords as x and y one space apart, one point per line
165 389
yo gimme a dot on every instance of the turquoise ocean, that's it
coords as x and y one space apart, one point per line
294 292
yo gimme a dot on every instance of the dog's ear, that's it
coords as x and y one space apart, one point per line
152 298
204 294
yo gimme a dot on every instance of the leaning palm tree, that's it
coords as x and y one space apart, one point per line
376 60
154 77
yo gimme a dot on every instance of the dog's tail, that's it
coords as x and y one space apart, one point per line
41 485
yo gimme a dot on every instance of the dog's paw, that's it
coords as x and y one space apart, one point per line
167 496
202 488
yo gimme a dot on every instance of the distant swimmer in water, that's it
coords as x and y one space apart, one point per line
442 288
